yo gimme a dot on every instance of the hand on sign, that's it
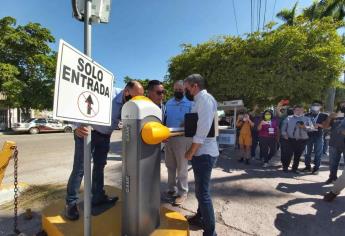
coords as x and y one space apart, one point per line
82 131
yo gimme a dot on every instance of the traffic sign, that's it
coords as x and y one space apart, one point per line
83 88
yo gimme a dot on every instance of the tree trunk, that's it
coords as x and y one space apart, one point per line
330 97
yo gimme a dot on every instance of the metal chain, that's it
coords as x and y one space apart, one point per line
15 217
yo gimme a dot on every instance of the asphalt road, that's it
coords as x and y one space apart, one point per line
248 200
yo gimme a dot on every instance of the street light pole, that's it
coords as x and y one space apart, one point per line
87 139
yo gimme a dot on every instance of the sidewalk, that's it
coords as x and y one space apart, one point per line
248 200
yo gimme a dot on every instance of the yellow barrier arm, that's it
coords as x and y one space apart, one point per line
5 156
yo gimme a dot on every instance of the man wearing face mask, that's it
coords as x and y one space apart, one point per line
295 132
176 147
100 143
336 142
315 137
203 153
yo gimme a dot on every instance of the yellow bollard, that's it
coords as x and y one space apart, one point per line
154 133
5 156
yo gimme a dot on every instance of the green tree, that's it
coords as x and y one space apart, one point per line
27 65
288 15
296 61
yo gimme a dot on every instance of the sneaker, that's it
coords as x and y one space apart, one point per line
285 170
72 212
180 200
247 162
295 171
329 197
315 172
240 160
265 165
195 220
307 169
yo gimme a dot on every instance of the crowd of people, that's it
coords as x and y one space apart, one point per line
288 129
295 133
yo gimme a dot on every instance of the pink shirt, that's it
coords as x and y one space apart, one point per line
269 130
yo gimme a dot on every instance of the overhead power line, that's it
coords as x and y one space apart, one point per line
259 14
274 8
264 22
234 8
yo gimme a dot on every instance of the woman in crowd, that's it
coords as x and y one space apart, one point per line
245 139
268 136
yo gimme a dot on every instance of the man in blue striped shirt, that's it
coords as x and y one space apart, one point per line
176 147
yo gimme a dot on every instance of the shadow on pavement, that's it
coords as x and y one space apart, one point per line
306 188
320 219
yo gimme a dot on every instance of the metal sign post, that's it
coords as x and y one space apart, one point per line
87 139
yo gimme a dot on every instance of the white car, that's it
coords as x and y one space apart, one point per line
40 125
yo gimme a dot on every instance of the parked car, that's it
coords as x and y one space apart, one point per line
40 125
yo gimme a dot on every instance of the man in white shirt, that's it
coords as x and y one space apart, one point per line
203 153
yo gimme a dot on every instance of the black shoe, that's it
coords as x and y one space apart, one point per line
307 169
240 160
295 171
247 162
105 200
285 170
195 220
330 180
329 197
315 172
72 212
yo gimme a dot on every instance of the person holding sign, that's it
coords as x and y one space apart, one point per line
100 143
268 135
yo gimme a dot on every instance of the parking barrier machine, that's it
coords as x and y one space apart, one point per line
140 169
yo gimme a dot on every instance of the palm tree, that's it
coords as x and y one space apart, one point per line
287 15
334 8
314 11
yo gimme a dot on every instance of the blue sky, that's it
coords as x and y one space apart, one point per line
143 34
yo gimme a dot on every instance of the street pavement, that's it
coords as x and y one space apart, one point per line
248 200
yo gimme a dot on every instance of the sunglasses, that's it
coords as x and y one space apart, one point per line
160 92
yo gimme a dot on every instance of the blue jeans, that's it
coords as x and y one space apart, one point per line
334 159
315 141
99 152
202 167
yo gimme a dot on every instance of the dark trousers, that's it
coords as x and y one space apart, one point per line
255 142
267 148
202 168
294 148
99 151
334 159
284 152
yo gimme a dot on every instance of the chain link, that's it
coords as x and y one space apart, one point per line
15 217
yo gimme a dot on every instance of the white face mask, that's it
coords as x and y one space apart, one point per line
315 108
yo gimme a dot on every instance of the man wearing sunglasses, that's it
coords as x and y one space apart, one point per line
155 92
